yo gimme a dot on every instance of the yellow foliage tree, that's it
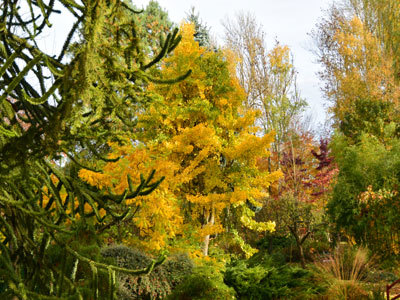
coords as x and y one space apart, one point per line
359 73
197 135
366 71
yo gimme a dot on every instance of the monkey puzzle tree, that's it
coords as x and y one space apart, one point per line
55 105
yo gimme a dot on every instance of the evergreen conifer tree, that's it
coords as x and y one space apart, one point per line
202 32
65 105
153 25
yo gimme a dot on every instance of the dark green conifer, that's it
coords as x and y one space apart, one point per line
65 105
153 26
202 35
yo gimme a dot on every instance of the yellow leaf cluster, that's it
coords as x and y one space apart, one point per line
279 59
158 217
210 229
94 178
198 136
365 70
248 221
249 147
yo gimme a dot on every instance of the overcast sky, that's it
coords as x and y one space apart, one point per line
288 21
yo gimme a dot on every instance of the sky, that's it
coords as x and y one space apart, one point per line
288 21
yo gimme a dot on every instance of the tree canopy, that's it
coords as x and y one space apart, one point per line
197 136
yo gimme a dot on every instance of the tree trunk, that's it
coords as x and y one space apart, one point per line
299 244
302 258
206 241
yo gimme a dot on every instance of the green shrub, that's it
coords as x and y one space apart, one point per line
156 285
375 275
204 284
261 277
281 247
273 241
178 267
365 203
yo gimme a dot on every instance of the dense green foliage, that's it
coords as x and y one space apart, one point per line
365 198
205 283
156 285
368 116
261 277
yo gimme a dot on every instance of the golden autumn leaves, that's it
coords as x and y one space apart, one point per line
358 67
199 138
